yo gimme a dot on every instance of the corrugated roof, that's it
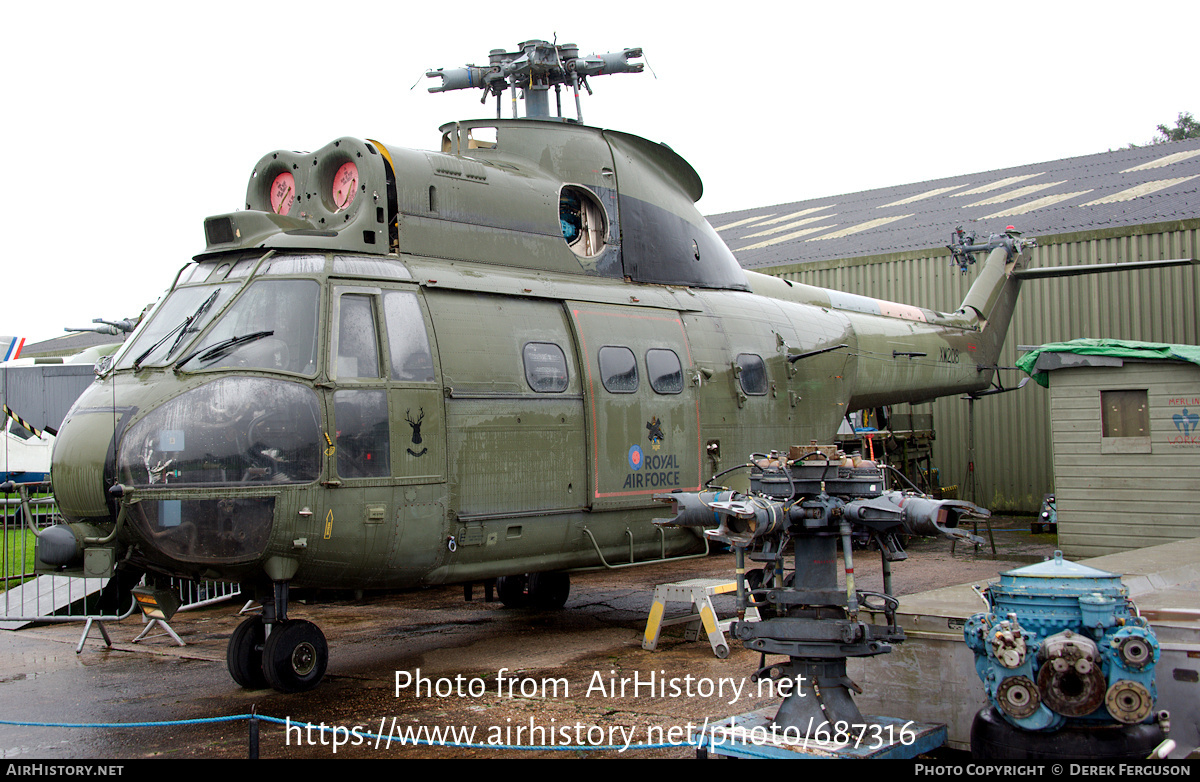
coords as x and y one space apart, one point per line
69 344
1150 184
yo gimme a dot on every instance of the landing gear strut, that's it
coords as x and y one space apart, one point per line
289 655
548 591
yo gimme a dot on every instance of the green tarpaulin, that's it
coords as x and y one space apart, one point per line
1117 348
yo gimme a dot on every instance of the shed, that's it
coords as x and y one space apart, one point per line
1125 436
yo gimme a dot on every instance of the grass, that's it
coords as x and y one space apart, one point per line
17 553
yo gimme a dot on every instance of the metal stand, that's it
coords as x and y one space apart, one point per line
166 628
698 593
87 628
970 481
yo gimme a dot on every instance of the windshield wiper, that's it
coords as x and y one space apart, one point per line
222 348
182 328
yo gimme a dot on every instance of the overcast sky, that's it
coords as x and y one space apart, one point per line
128 123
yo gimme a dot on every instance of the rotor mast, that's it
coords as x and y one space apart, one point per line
533 69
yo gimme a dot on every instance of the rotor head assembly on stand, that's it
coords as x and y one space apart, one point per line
804 504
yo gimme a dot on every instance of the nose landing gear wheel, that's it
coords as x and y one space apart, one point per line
294 656
244 654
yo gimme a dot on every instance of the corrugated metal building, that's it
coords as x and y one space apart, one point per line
1127 205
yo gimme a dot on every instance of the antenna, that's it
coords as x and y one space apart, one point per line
535 68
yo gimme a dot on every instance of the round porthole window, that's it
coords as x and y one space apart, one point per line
584 225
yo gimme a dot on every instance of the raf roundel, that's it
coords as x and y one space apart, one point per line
635 457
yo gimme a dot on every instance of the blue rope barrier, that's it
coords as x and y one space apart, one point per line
379 739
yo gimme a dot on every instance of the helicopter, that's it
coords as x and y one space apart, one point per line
397 368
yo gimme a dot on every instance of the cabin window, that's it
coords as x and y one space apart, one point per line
664 370
357 354
408 341
752 374
362 442
545 367
584 225
618 370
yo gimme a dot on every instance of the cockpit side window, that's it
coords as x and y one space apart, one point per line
408 342
363 444
357 345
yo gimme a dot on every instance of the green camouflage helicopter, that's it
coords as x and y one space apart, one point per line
399 367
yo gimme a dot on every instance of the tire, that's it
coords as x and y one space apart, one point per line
511 591
994 738
244 654
295 656
549 591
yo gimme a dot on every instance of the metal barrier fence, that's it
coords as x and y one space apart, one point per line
28 597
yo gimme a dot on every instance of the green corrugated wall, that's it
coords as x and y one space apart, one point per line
1013 466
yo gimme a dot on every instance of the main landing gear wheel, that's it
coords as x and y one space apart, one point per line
244 654
294 656
546 591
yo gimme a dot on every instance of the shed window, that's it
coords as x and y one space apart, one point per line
1125 421
1125 413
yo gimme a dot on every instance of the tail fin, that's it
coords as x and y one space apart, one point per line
10 348
992 298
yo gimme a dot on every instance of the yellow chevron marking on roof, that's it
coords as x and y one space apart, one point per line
868 225
1032 206
788 226
1020 192
1165 160
786 237
743 222
1012 180
1146 188
921 196
801 213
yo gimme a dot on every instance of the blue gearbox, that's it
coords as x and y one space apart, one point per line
1062 642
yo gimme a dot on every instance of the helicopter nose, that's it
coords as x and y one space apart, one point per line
78 472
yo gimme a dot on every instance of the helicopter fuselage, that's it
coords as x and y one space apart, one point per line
397 368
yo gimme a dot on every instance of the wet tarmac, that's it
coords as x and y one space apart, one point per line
498 678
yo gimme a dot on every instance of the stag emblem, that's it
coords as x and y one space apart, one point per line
416 430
